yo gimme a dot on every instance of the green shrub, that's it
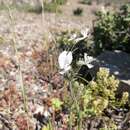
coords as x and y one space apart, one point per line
92 100
78 11
111 30
28 8
101 93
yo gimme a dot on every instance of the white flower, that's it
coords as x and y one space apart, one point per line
65 59
39 109
87 61
87 58
103 10
84 33
73 37
46 113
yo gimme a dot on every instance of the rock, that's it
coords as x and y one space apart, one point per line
118 63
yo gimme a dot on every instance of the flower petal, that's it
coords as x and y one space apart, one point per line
79 39
65 70
69 58
73 37
87 58
61 59
85 32
90 66
65 59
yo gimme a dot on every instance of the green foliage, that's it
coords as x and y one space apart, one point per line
88 2
2 40
48 6
90 100
85 101
53 6
124 99
63 40
56 104
48 126
78 11
100 92
111 30
32 9
60 2
78 48
109 125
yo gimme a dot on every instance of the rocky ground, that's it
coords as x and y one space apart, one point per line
28 31
31 30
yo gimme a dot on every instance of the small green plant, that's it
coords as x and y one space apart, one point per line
48 127
92 100
123 100
78 11
53 6
28 8
101 93
88 2
56 104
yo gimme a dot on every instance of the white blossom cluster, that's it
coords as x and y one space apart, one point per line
66 57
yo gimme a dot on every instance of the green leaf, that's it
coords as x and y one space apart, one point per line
56 103
127 19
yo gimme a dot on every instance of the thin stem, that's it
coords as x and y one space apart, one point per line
76 105
18 62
